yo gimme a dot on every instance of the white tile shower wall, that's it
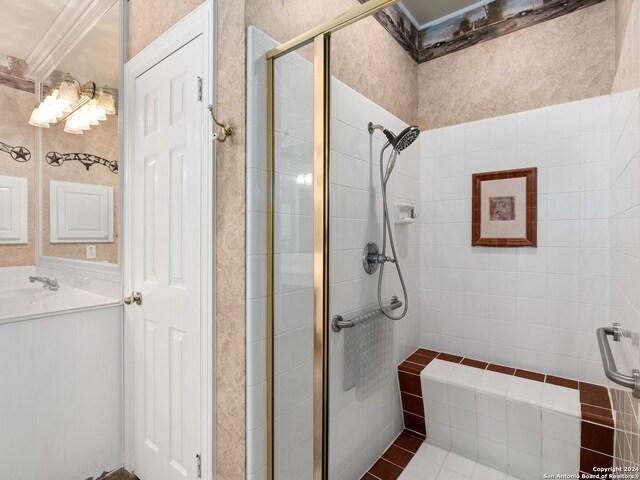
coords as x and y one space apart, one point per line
624 241
534 308
360 431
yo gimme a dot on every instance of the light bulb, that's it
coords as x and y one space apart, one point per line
36 120
105 101
69 89
47 110
62 106
74 123
70 129
100 114
92 113
77 121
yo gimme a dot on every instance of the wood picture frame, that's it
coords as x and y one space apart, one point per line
505 211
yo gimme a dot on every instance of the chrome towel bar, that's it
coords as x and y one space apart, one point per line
338 322
608 362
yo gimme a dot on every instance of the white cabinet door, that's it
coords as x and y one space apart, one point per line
14 206
80 212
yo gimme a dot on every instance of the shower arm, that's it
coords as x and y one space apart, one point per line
373 127
387 133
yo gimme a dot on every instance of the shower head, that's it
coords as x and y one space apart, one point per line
398 142
406 138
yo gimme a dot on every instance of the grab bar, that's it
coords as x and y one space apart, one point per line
338 322
608 362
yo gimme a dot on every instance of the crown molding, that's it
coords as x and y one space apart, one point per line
68 29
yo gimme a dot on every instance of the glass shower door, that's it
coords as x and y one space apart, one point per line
298 230
292 274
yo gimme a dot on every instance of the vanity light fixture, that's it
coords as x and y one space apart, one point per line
79 106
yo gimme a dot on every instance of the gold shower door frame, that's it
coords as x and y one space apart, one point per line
321 39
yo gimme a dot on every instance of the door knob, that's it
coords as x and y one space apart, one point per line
135 297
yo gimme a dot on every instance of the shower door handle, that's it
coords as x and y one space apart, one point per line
135 297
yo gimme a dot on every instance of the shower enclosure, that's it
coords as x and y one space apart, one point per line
309 124
494 370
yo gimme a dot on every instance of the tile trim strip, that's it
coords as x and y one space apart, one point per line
395 458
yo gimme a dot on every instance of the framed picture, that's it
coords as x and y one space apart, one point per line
504 208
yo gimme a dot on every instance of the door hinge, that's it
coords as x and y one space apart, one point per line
199 465
199 89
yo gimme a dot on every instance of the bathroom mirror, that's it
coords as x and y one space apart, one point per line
60 145
18 162
80 183
59 140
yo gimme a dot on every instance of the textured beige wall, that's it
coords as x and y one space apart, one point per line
569 58
230 246
363 55
15 130
627 45
101 140
148 19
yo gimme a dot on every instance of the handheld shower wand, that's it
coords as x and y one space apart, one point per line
398 143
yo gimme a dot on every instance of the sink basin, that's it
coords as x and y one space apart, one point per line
35 293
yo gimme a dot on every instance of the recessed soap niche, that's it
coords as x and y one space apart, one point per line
405 213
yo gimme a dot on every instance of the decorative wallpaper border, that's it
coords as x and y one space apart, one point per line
490 21
15 73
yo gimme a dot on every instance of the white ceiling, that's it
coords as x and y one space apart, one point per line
23 24
426 12
95 57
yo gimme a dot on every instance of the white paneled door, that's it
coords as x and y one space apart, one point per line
166 266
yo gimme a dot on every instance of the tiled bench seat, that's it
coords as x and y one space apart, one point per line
519 421
516 424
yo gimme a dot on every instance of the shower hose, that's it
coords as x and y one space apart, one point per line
386 227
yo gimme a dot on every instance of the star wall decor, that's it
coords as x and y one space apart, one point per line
19 154
56 159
